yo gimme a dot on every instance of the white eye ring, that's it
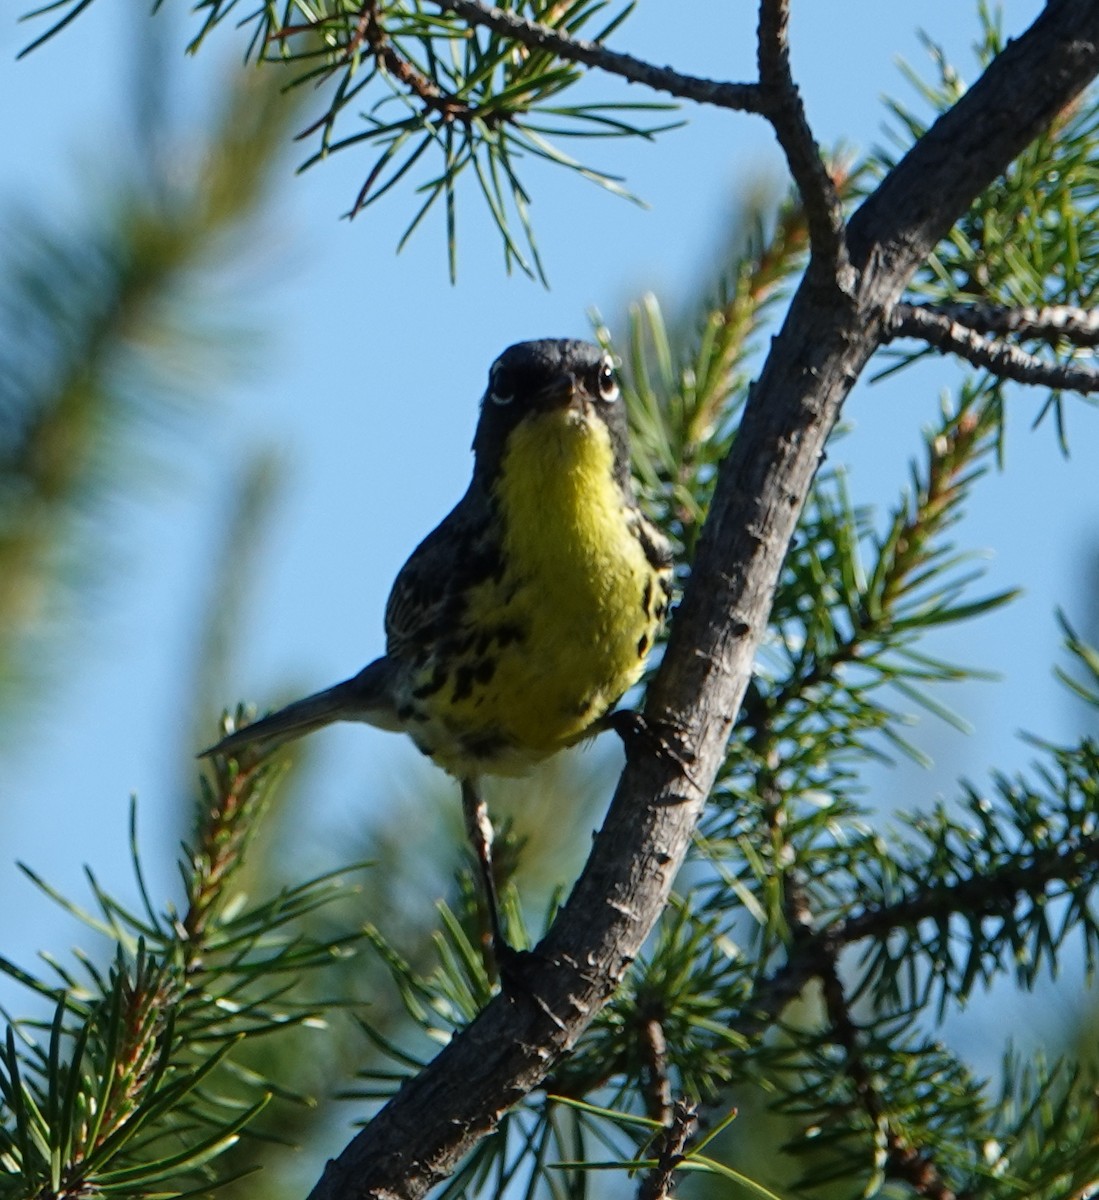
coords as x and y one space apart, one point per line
498 397
608 385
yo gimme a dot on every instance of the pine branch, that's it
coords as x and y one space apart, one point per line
988 893
775 96
1001 358
867 616
1004 863
492 105
81 360
740 97
115 1095
904 1162
370 30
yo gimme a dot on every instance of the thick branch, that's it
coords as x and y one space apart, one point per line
743 97
817 190
421 1135
1002 358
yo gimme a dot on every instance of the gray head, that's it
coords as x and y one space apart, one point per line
535 377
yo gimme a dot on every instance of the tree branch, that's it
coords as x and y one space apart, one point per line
656 1087
1001 358
657 1184
1057 322
902 1160
784 109
990 893
742 97
993 892
825 342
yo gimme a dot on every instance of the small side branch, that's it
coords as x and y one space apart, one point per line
369 34
657 1184
785 111
1054 323
902 1160
369 29
742 97
655 1084
940 329
994 892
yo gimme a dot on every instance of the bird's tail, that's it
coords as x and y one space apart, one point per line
366 697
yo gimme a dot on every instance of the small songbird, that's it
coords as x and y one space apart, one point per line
517 624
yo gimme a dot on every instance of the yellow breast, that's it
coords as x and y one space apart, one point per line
577 591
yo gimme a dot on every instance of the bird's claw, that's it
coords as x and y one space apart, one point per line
661 738
515 968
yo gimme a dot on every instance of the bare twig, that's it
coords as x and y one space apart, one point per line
1002 358
1054 323
655 1085
657 1184
743 97
786 113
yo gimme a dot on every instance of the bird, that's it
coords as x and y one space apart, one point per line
520 621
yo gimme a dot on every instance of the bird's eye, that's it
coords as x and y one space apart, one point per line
501 389
608 384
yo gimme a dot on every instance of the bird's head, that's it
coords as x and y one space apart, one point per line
561 377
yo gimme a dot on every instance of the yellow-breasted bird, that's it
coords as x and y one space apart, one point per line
517 624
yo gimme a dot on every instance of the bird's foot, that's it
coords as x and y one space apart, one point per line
660 738
515 968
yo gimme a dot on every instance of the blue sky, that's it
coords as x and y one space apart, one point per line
366 388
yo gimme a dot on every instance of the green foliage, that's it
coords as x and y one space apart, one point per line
684 401
434 98
136 1084
1034 1137
104 332
1032 238
671 1017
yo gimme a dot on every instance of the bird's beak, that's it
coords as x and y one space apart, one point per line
561 392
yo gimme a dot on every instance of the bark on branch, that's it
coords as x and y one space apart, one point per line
1001 358
743 97
825 342
784 109
1055 323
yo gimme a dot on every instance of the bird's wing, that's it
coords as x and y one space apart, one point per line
427 594
658 550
